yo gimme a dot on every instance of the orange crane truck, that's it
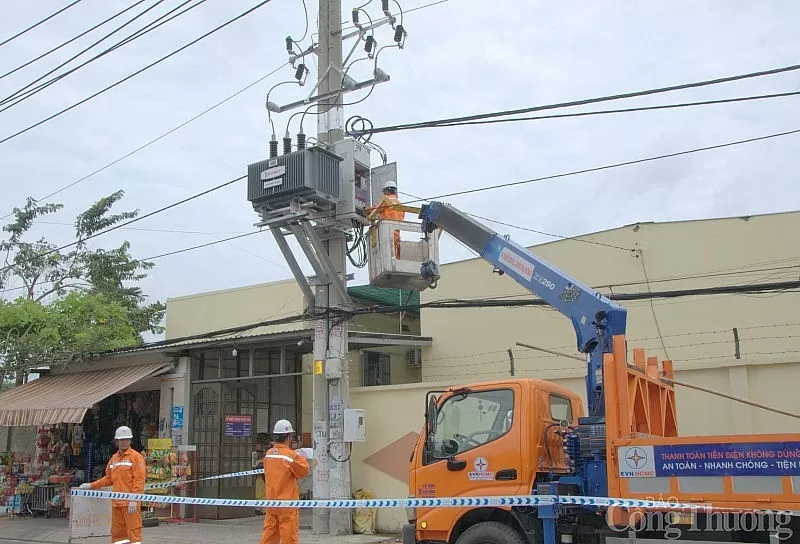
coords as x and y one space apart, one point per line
531 438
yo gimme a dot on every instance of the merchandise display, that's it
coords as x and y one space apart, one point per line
39 484
166 463
65 455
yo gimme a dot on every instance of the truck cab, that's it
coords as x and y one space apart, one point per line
495 438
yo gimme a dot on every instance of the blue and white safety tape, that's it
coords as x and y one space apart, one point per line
173 483
440 502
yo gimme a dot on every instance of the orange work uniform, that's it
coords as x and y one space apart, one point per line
282 467
125 473
385 211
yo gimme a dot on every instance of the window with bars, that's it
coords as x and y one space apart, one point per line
376 368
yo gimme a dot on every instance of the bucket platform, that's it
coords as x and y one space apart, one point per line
405 272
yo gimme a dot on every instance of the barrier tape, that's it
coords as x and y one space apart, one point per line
173 483
443 502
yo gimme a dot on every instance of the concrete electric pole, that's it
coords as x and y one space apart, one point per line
331 396
273 189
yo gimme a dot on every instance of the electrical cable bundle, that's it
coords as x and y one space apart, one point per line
359 246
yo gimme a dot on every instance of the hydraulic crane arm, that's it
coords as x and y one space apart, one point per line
596 318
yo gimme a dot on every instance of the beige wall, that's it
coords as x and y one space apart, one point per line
697 331
204 312
196 314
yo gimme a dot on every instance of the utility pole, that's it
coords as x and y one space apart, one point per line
323 239
331 396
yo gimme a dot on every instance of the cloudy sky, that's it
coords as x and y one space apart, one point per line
462 57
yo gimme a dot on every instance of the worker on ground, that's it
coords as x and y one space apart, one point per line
386 211
283 466
125 473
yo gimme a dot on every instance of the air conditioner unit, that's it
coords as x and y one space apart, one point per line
414 357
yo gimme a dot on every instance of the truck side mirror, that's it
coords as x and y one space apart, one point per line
430 415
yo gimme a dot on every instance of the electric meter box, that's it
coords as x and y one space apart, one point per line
354 188
355 429
309 175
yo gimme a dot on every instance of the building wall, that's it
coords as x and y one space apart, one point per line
205 312
697 331
197 314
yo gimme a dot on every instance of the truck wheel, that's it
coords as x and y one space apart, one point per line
490 532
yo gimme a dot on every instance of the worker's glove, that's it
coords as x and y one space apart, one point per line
131 507
84 486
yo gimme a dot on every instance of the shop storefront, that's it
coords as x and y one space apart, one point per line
75 415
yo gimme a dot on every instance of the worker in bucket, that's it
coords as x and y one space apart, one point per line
125 473
283 466
385 210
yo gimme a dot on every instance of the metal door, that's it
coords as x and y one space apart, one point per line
206 427
237 445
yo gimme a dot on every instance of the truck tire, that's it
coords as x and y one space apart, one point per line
490 532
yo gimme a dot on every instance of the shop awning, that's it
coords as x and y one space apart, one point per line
65 398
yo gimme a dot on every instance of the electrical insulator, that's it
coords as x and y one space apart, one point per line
370 42
398 33
289 44
273 147
385 5
287 145
298 75
355 16
301 140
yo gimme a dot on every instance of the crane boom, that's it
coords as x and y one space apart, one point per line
595 318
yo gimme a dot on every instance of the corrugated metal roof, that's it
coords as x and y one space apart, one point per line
200 340
385 295
65 398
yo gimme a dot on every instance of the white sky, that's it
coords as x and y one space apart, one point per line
461 57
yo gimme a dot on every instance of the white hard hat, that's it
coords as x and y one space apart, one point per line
282 426
390 184
123 432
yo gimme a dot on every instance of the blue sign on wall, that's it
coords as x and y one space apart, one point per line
238 425
744 459
177 417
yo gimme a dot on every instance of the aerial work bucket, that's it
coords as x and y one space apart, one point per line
417 265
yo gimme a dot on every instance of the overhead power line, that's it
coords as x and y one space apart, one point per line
438 124
378 309
582 102
25 93
158 138
126 223
536 231
20 33
199 115
614 165
82 34
18 94
566 174
121 81
192 248
784 286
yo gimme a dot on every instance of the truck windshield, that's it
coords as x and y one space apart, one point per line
468 420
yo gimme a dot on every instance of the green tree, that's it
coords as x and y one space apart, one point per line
74 303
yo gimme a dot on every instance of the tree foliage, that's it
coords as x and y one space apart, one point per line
70 302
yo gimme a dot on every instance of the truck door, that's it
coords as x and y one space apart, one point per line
474 451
